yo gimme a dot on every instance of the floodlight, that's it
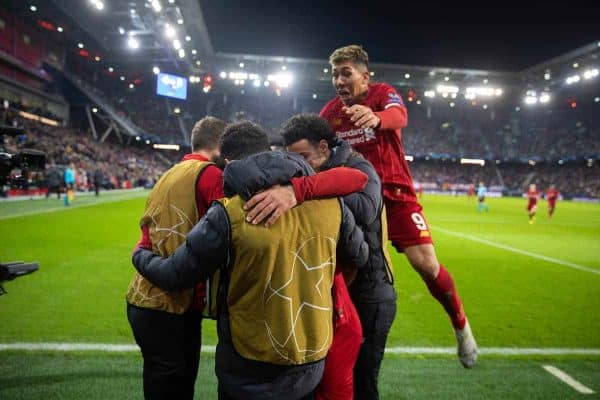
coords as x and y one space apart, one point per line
188 38
241 65
33 8
531 100
256 83
176 44
131 86
429 93
60 29
181 53
155 70
223 75
180 21
156 6
314 96
169 31
544 98
406 76
80 45
133 43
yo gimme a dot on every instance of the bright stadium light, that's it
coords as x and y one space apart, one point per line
198 62
544 98
446 78
314 96
485 81
447 89
429 93
547 76
169 31
267 83
180 21
121 30
256 83
372 73
470 96
122 78
176 44
419 102
155 70
206 89
188 38
284 67
60 29
194 51
110 69
408 158
590 73
99 4
133 43
181 53
80 45
166 146
33 8
223 75
575 65
94 110
242 65
325 70
596 99
572 79
177 110
406 76
97 58
452 104
498 92
485 106
131 86
472 161
530 100
156 6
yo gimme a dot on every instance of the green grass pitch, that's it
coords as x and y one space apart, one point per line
548 297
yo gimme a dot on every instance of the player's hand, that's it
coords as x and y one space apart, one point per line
144 242
362 116
270 204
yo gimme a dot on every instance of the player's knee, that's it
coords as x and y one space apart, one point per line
426 265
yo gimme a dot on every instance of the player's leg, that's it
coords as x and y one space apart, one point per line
337 382
376 320
160 337
192 343
409 233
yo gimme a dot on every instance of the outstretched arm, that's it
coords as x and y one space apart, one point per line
204 250
270 204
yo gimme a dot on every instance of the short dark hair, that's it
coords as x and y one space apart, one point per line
206 133
307 126
243 139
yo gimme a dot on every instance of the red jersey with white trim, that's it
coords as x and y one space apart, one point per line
382 147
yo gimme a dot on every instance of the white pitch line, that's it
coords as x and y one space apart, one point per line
498 351
566 378
519 251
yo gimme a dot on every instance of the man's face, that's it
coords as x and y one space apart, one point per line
315 155
350 81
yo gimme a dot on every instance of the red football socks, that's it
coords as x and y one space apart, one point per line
442 288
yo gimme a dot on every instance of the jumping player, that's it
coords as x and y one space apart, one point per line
532 199
369 117
551 197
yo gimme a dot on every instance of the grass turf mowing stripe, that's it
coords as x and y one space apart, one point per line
566 378
496 351
519 251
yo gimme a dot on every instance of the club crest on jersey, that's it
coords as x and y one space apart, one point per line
337 121
395 98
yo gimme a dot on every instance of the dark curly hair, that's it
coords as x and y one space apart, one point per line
242 139
307 126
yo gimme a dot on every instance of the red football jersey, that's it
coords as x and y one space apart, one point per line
533 196
551 194
382 147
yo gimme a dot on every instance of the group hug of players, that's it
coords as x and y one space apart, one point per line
294 247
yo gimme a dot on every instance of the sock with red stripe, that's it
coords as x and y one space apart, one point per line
442 288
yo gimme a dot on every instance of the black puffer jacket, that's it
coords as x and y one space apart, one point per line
207 248
374 282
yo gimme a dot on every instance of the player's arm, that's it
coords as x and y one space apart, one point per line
351 248
204 250
365 203
270 204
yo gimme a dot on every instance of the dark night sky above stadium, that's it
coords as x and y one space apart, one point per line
504 36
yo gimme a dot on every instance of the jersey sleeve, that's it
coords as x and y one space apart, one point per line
388 97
